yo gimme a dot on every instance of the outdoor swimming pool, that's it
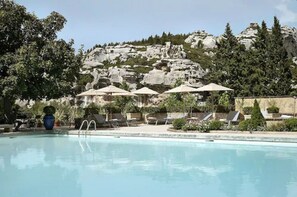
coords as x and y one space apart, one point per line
35 166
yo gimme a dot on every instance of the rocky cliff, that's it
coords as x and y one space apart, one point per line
156 65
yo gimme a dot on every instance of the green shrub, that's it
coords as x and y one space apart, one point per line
161 109
197 109
90 110
49 110
112 108
190 127
277 127
204 127
179 123
142 69
215 125
131 108
149 110
221 109
291 124
245 125
247 110
273 109
257 119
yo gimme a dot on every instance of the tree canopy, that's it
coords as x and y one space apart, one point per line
262 70
34 63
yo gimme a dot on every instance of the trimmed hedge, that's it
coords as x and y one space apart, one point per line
215 125
179 123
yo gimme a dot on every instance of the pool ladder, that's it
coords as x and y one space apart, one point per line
80 131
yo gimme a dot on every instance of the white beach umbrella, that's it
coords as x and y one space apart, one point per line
144 92
182 89
124 94
109 90
91 92
212 87
112 91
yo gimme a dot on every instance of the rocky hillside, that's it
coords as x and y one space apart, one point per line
160 65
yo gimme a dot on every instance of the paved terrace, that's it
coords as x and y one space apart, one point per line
164 131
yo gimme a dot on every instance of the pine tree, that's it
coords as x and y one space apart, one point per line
229 63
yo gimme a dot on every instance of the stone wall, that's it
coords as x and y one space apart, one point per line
286 105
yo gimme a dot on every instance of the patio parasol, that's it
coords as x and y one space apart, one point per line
212 87
112 91
144 92
181 89
184 89
91 93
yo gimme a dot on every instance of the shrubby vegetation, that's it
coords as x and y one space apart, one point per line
179 123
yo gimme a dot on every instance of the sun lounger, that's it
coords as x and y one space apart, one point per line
6 126
171 117
100 120
205 117
121 119
151 119
232 117
155 118
285 116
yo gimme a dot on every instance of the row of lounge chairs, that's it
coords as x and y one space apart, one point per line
116 120
232 117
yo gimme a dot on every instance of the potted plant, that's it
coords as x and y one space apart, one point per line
273 111
49 118
247 111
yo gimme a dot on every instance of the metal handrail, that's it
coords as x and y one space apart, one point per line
92 121
88 126
82 124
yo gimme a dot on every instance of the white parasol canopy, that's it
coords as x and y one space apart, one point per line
145 91
91 92
182 89
213 87
124 94
111 90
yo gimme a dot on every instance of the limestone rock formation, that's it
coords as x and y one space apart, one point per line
202 39
168 63
247 36
164 64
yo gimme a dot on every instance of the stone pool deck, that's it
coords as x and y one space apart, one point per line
164 131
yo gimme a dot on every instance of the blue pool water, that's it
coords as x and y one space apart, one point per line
53 166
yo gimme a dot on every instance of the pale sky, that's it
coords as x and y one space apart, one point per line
91 22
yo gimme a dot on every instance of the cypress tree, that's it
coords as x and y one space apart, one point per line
257 118
228 64
280 74
257 62
269 63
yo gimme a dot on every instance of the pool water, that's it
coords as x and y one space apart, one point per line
53 166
